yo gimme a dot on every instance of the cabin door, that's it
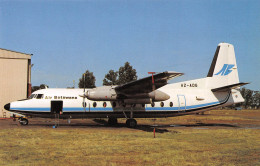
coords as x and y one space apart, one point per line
182 102
56 107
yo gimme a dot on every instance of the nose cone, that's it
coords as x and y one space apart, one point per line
7 106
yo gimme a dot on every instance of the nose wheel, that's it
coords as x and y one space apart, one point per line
23 121
131 123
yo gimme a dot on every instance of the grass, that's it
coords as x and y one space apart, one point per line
123 146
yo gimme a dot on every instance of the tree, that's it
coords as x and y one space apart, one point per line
248 96
90 80
256 100
111 78
42 86
126 74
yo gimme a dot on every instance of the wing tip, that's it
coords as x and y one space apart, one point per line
173 72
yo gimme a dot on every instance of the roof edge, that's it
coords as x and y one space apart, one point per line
15 51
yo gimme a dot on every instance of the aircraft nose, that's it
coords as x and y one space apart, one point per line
7 106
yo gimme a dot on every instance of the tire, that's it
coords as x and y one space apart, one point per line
24 121
131 123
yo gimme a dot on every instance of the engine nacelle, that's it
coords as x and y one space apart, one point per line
108 93
104 93
147 98
138 101
158 96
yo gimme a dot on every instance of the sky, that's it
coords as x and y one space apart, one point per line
67 38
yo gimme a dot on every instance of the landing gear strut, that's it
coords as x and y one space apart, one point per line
130 122
112 121
23 121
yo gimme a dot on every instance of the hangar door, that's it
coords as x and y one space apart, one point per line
56 107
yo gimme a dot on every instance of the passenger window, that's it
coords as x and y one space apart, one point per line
162 104
39 96
171 104
94 104
104 104
152 104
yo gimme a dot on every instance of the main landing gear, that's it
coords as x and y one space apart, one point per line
130 122
112 121
23 121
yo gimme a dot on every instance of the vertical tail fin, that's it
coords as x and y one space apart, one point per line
223 68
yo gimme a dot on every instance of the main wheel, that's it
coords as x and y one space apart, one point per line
112 121
24 121
131 123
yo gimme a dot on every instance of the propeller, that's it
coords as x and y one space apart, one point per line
153 86
84 103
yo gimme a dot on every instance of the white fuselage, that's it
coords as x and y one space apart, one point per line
185 98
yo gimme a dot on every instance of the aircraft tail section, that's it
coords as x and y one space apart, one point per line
223 70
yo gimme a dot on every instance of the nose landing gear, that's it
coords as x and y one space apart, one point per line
23 121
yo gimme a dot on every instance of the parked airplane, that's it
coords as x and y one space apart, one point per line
150 97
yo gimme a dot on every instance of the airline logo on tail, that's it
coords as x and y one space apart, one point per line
226 70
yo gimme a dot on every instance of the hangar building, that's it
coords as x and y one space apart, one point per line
15 78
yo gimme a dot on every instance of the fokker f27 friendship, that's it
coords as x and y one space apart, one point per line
149 97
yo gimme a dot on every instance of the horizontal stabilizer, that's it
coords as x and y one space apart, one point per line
228 87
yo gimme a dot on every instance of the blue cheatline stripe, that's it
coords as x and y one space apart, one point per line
162 108
202 105
180 108
68 109
44 109
65 109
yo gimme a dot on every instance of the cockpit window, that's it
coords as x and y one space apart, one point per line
39 96
32 96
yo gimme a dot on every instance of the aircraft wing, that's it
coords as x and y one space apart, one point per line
145 85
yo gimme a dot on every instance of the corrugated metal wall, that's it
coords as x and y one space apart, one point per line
14 76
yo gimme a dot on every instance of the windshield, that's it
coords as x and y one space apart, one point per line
32 96
39 96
